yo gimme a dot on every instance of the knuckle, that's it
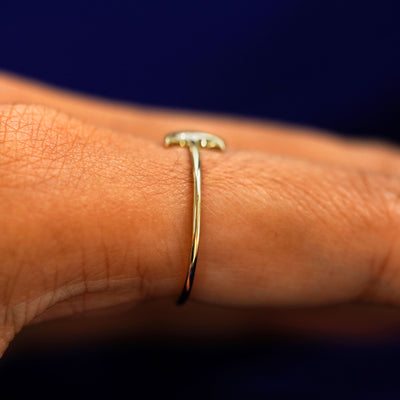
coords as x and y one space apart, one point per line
20 123
363 198
35 143
380 195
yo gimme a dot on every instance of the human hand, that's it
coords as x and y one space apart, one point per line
95 212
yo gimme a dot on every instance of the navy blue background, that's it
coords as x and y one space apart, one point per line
334 64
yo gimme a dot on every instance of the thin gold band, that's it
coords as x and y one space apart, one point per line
194 141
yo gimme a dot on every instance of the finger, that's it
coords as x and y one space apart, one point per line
240 133
104 218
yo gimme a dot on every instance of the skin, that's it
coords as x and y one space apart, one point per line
95 212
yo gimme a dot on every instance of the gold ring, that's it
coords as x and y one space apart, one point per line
194 141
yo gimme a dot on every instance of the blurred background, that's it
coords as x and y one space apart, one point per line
328 64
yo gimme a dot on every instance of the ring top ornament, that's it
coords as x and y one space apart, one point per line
202 139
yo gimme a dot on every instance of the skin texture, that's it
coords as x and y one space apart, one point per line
96 212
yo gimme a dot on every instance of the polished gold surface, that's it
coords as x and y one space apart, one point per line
194 141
